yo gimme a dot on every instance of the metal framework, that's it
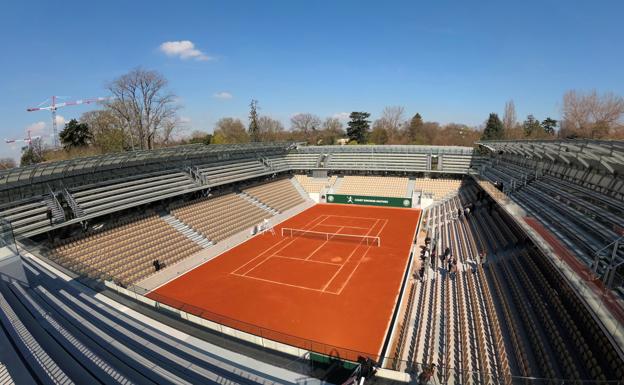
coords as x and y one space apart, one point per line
166 156
385 149
604 155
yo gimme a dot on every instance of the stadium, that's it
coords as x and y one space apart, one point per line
288 263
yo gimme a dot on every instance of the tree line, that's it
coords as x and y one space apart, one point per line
143 114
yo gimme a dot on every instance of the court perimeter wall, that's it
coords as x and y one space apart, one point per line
369 200
244 336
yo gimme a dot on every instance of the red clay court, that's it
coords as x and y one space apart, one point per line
336 291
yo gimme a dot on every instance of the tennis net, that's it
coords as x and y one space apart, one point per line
359 239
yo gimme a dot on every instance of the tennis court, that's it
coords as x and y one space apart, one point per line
331 274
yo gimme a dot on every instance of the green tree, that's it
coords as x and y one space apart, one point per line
549 125
230 130
254 129
414 129
494 129
33 153
379 134
358 126
75 134
531 127
199 137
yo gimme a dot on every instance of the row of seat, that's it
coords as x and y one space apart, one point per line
231 171
546 304
280 195
374 185
570 306
377 161
315 185
27 216
63 335
439 188
562 329
207 217
125 254
111 197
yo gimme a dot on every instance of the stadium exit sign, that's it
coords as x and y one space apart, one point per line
369 200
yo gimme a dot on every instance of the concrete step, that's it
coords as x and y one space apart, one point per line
187 231
257 202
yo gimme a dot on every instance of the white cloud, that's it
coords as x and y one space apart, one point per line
184 49
223 95
36 128
341 115
60 122
184 120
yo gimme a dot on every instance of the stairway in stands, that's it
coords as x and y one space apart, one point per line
58 215
187 231
256 202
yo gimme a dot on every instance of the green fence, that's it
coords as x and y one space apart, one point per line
369 200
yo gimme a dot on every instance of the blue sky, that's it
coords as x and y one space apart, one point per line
452 61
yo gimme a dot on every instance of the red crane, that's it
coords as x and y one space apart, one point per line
55 106
28 139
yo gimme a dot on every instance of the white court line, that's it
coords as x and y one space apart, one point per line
280 249
318 248
346 216
346 227
281 283
305 260
360 261
350 255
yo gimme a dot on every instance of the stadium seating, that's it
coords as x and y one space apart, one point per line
206 216
315 185
302 161
374 185
377 161
109 197
65 335
517 293
226 172
27 216
439 188
585 219
125 253
280 195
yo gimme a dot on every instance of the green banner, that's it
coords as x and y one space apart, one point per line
369 200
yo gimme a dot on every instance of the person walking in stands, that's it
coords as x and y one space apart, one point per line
427 374
450 264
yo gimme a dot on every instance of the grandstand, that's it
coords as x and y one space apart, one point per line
315 185
536 294
374 185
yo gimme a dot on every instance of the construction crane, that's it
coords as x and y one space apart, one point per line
28 139
55 106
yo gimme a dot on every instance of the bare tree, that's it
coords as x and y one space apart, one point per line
333 124
143 103
6 163
591 115
269 129
305 122
509 116
392 119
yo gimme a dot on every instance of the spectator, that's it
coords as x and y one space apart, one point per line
426 375
447 251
